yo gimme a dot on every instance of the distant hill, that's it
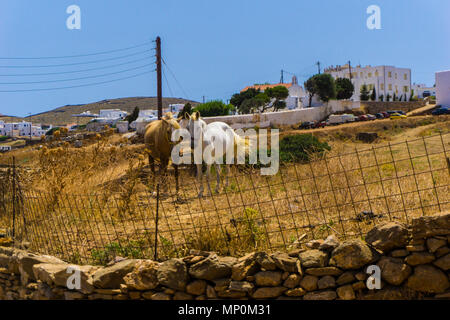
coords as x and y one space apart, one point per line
63 115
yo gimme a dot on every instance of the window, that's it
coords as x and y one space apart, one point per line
370 74
382 86
376 73
405 77
396 75
390 74
361 74
390 86
405 89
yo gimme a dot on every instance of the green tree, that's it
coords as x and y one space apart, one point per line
321 84
394 97
279 94
344 88
381 97
373 96
133 116
388 97
187 109
238 98
214 108
364 93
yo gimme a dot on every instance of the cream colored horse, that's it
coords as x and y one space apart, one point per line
159 145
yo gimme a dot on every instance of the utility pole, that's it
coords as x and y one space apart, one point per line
282 77
350 69
318 65
31 125
158 75
203 99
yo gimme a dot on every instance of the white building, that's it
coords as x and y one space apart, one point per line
386 80
420 89
112 114
443 88
23 129
296 93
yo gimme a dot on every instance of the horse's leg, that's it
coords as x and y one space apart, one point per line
162 173
218 177
200 180
208 178
176 178
151 161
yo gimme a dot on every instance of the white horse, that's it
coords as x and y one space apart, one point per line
220 140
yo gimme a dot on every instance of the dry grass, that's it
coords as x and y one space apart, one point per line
89 204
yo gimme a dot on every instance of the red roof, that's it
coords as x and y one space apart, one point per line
263 87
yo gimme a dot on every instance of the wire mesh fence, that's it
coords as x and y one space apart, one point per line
345 195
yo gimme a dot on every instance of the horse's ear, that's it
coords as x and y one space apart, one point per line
169 115
195 116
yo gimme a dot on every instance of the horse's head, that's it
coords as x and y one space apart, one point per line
169 125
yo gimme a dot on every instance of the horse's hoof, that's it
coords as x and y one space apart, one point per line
217 191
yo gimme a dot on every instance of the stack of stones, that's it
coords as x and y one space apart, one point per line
414 262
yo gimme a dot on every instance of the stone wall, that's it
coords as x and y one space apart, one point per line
373 107
414 261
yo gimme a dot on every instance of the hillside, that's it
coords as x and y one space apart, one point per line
63 115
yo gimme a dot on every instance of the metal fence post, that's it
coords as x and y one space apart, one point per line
14 198
156 222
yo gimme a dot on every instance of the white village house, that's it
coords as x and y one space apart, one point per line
443 88
422 91
385 79
16 129
297 98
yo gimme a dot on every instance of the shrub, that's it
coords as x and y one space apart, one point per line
3 138
214 108
300 147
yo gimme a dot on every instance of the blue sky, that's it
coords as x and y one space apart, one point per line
214 48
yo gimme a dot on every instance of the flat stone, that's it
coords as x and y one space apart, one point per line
400 253
295 292
360 285
417 258
326 282
415 248
313 259
143 276
111 277
442 251
173 274
443 262
286 263
393 270
429 226
346 277
210 292
292 281
244 267
179 295
268 292
324 295
242 286
346 292
433 244
160 296
268 278
231 294
352 254
330 243
309 283
325 271
213 267
429 279
196 287
388 236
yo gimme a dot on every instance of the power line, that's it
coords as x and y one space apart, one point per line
173 75
80 55
75 79
167 82
73 71
79 86
78 63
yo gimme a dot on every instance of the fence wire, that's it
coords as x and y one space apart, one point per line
345 195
